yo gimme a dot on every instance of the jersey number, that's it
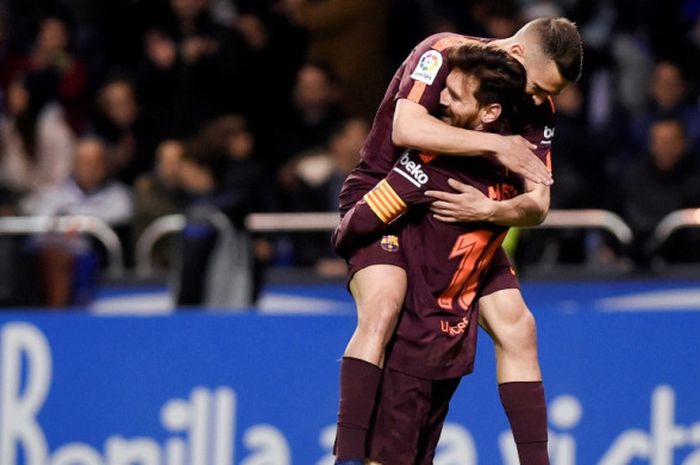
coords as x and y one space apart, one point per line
476 253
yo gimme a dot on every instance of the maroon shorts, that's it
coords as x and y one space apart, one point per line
385 251
408 418
499 275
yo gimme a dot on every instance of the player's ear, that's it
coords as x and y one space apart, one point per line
490 113
517 51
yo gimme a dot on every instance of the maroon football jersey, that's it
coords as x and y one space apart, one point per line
445 263
420 79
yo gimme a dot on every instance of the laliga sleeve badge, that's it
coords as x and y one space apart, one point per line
428 67
390 243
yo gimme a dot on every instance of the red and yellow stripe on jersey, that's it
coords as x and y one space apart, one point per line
385 202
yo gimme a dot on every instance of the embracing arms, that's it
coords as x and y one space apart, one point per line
469 204
414 127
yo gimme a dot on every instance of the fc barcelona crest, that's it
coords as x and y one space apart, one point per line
390 243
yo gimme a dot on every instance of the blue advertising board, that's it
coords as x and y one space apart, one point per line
198 388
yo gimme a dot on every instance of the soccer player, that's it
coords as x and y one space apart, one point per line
448 266
550 50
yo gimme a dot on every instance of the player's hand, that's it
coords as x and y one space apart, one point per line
516 154
467 204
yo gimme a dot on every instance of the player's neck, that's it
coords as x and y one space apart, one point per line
503 44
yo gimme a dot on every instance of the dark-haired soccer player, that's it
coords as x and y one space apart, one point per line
550 50
448 266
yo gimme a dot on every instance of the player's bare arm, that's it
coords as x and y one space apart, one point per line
470 204
414 127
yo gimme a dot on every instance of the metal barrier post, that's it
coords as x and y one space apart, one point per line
90 225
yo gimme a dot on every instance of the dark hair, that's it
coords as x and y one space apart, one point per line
561 42
502 78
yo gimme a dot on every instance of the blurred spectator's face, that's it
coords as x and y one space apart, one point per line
313 90
667 144
345 147
240 145
91 168
119 103
668 85
188 9
168 160
195 178
17 98
52 35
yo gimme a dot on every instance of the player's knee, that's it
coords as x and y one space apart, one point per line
379 319
524 332
521 334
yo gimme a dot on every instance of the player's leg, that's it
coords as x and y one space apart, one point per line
409 418
504 315
379 292
404 408
511 325
442 393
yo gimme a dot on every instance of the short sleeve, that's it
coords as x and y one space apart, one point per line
424 78
411 177
539 130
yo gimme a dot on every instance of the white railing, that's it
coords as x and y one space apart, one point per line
163 226
324 221
299 222
158 228
277 222
679 219
589 219
67 224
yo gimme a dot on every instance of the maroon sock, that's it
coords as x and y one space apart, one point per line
527 412
359 382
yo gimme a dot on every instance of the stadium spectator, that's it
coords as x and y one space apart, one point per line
158 193
227 146
17 273
619 59
192 60
68 262
37 143
664 180
408 23
481 18
669 99
309 119
56 73
222 183
312 182
336 29
194 68
277 51
581 162
131 135
230 138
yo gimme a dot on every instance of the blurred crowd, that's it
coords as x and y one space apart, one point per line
129 110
